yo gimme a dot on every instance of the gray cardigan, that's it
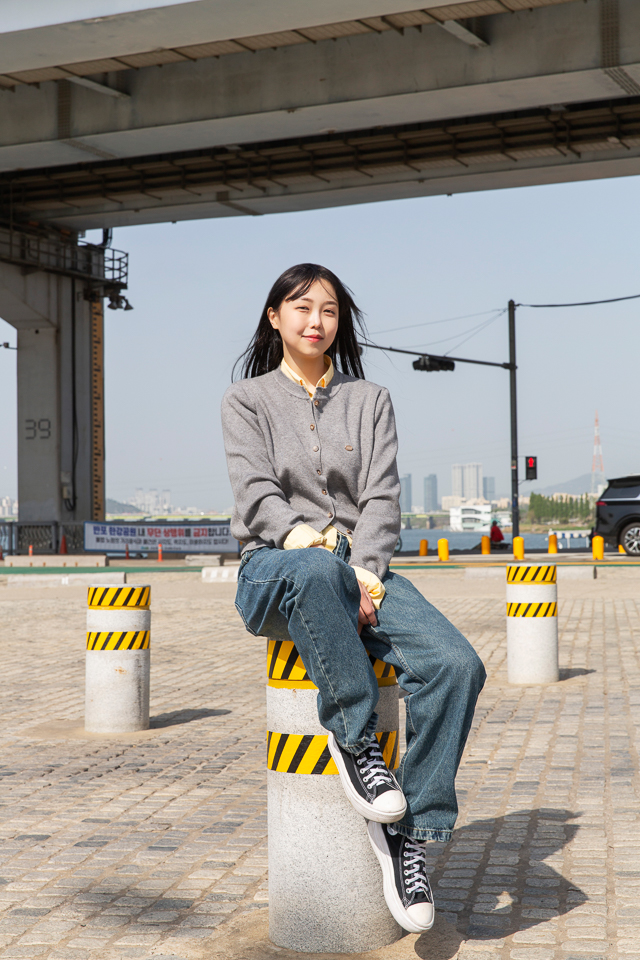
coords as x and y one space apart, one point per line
328 459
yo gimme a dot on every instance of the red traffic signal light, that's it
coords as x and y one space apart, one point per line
531 468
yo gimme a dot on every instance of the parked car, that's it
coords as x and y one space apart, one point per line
618 514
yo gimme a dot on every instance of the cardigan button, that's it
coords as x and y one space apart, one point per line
315 449
312 426
348 447
316 402
349 532
324 492
318 471
329 515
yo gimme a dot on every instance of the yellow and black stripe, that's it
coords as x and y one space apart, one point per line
298 753
286 669
118 639
532 609
538 574
116 597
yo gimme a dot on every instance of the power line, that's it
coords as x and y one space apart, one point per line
431 323
585 303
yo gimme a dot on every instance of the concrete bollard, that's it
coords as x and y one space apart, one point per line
424 548
553 543
118 657
325 884
518 548
532 624
597 548
485 546
443 549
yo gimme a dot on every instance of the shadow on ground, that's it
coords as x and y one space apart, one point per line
494 877
175 717
568 673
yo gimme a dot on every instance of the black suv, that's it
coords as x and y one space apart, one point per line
618 514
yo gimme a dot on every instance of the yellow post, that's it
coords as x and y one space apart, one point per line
485 545
553 543
518 548
597 548
621 549
443 549
424 548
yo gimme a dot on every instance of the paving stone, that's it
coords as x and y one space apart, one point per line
152 846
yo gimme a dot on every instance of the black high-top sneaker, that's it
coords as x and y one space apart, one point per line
368 783
405 881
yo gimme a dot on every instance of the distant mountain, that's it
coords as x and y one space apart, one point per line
115 506
578 486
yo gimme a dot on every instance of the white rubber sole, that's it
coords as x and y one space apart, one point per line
396 908
359 805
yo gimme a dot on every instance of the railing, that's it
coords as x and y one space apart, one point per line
85 261
44 537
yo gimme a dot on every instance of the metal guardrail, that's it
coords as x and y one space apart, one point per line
16 537
86 261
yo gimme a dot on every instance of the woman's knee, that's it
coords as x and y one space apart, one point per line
468 667
316 565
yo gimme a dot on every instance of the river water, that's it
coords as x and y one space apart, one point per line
466 541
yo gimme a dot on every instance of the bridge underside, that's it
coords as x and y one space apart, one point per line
403 105
551 145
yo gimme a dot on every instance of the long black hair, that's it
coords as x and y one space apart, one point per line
264 353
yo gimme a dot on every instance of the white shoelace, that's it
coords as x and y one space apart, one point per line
414 862
374 772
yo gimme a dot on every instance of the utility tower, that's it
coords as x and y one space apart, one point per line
597 465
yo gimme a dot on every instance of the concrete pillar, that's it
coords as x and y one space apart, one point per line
325 883
60 396
532 624
118 659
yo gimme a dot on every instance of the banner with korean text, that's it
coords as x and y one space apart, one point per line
204 537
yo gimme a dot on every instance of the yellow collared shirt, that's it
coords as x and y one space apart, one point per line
305 535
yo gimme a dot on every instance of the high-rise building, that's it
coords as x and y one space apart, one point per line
489 488
430 493
405 493
457 480
466 480
473 481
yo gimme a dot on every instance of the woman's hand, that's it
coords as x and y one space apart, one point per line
367 614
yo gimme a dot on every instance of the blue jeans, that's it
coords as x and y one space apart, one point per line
312 597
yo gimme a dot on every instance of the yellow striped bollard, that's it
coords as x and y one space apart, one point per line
532 623
325 890
118 657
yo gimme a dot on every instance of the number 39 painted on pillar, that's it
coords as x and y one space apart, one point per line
40 429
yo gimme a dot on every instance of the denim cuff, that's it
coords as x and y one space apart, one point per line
365 740
424 834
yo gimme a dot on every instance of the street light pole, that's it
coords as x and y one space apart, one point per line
515 511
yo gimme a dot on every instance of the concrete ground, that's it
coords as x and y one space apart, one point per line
154 845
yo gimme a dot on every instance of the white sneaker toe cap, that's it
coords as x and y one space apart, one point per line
391 802
422 915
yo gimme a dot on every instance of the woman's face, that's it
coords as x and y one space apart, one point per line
308 324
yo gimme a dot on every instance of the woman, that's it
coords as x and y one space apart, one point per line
311 449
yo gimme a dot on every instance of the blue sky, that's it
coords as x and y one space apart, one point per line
198 289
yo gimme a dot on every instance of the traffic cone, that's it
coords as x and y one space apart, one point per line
30 549
159 553
63 544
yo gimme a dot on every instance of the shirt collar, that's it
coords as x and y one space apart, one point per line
322 382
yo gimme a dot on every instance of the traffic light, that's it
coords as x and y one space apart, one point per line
531 468
433 364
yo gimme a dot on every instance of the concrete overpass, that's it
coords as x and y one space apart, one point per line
207 108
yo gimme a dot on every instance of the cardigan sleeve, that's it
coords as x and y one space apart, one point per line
261 507
376 533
